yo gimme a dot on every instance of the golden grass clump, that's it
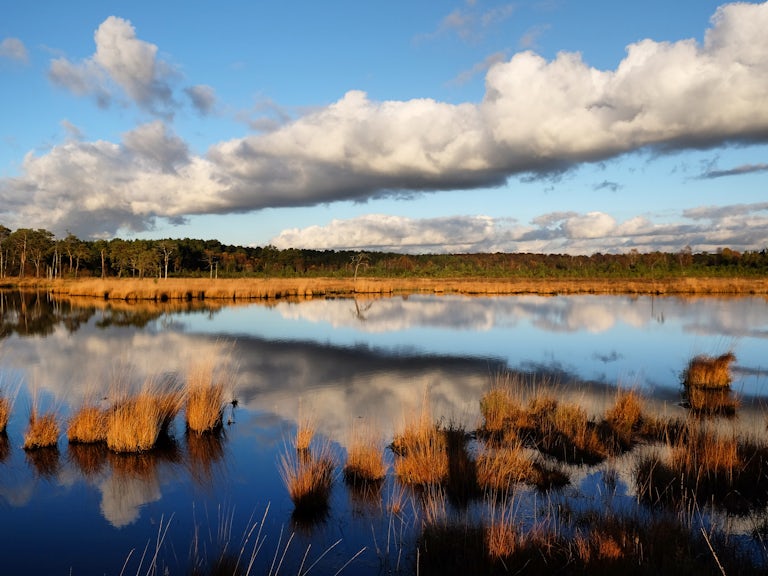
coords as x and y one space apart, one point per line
705 371
365 456
134 424
42 432
5 413
421 455
308 478
625 418
501 405
87 425
499 469
566 432
204 398
305 432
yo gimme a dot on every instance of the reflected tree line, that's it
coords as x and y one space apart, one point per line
38 253
33 313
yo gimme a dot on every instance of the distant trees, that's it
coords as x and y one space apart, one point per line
26 252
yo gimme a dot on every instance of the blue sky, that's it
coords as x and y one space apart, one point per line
542 126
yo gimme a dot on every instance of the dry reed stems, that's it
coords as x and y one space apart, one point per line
365 456
308 477
42 432
87 425
709 372
205 397
421 449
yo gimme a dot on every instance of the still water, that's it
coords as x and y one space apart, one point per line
342 360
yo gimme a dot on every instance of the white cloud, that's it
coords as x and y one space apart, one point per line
14 49
537 117
123 59
741 227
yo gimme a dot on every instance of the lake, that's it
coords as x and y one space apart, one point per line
342 361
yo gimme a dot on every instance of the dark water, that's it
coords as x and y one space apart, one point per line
87 511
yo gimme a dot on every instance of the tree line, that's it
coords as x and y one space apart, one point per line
27 253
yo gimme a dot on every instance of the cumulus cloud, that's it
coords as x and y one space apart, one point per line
537 117
14 49
123 60
741 227
378 232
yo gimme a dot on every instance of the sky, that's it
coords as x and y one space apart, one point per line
556 126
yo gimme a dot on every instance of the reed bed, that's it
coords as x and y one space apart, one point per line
192 289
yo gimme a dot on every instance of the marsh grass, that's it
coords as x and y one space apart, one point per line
5 412
499 469
624 420
87 425
711 401
136 420
43 430
705 466
308 476
420 448
306 426
205 390
709 372
365 456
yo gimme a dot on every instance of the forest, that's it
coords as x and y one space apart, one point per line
37 253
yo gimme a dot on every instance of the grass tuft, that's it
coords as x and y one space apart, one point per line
87 425
42 432
365 457
204 398
710 372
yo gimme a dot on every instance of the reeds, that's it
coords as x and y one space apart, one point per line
308 477
87 425
709 372
5 413
136 420
365 456
204 397
421 450
499 469
42 432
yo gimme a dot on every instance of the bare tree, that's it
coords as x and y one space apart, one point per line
166 248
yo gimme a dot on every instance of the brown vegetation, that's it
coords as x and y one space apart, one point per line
189 289
421 456
42 432
365 456
5 413
308 477
87 425
204 397
709 372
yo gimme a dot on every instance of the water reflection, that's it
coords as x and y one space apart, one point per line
368 359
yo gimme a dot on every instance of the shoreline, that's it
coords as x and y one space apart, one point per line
188 289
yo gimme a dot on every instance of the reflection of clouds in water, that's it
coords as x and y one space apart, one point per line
591 313
123 496
393 314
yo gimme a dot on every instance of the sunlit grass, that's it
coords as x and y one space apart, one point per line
88 424
205 396
43 430
705 371
365 455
